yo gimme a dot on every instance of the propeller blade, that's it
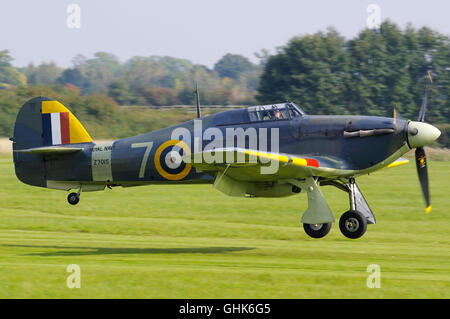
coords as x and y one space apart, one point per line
425 98
422 171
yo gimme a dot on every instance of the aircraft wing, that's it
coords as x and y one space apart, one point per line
252 165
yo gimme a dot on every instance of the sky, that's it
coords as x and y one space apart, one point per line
199 30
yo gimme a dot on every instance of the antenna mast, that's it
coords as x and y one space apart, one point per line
198 100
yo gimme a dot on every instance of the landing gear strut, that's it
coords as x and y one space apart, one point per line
353 223
74 198
318 217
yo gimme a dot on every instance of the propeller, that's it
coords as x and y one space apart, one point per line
425 98
422 172
421 158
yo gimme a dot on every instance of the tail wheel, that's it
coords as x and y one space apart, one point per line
317 230
353 224
73 198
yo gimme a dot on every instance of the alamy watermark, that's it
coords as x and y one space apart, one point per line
74 279
374 19
233 147
374 279
73 20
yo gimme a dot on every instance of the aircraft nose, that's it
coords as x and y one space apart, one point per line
421 134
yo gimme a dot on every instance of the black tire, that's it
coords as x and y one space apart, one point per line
317 230
73 198
353 224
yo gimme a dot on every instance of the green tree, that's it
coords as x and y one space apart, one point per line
160 96
45 73
233 65
369 74
186 96
92 75
73 76
311 70
119 90
8 74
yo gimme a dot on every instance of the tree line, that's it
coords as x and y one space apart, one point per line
153 80
369 74
323 73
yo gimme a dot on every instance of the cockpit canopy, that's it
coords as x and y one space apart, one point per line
273 112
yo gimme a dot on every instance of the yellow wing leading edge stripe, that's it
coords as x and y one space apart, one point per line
398 163
283 158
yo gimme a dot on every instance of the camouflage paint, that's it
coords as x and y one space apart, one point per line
141 159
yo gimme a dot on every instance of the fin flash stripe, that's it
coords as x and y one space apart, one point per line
55 127
60 126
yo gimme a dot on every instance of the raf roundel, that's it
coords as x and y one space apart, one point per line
168 161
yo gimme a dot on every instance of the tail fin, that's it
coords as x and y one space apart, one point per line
43 122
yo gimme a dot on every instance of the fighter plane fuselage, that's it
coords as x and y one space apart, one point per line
354 142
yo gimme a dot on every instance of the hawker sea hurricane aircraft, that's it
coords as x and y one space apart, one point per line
293 153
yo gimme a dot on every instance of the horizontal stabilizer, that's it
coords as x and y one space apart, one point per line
50 150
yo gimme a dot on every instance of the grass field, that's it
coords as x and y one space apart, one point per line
194 242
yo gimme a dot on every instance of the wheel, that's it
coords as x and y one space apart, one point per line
73 198
317 230
296 189
353 224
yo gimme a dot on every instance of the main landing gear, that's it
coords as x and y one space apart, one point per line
353 224
317 230
318 218
74 198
